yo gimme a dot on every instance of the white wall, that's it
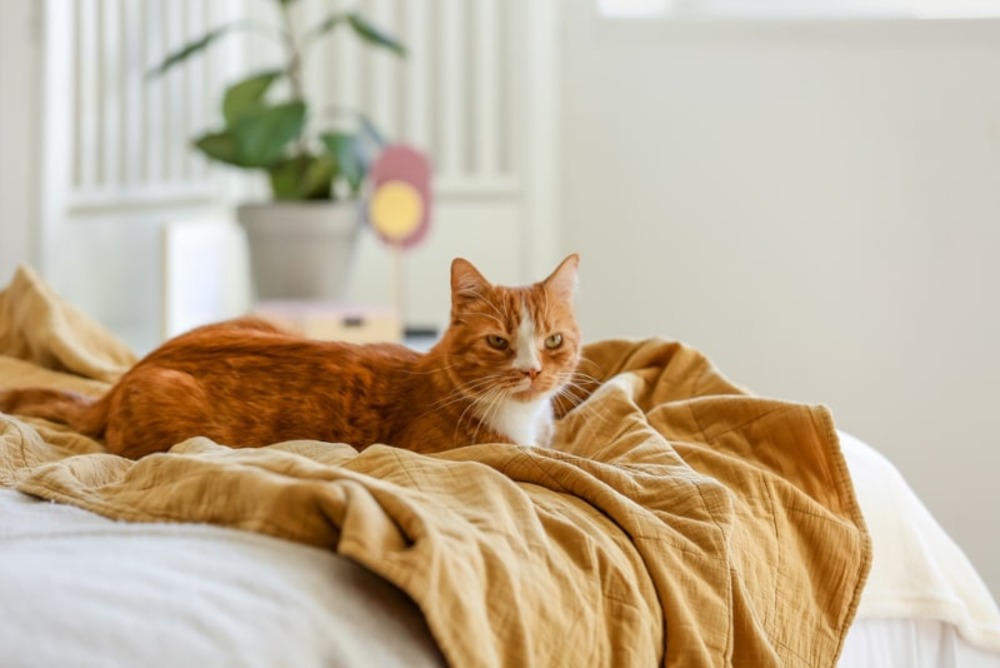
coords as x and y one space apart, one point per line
814 205
19 56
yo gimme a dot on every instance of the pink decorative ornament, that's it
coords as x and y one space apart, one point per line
399 208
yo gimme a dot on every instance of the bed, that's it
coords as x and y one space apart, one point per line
679 521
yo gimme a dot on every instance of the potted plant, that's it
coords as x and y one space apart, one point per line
301 243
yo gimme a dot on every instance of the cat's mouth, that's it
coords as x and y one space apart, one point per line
528 389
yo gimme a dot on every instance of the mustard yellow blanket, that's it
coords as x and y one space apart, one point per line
679 520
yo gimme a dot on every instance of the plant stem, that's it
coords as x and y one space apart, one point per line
294 67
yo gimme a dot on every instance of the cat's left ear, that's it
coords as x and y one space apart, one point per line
562 282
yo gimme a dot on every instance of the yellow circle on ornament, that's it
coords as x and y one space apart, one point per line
395 210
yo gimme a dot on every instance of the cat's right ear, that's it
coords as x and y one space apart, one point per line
563 280
466 281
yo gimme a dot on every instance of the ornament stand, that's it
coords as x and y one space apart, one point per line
399 211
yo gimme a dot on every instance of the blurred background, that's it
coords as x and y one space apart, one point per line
807 192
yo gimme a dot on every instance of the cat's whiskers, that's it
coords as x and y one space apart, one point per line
578 378
480 380
460 420
456 396
493 400
584 383
428 372
596 413
478 413
474 403
571 391
586 360
467 390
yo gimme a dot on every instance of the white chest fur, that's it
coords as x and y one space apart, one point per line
523 422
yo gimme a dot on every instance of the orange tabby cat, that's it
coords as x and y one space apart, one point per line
245 383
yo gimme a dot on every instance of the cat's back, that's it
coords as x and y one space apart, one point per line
250 352
249 383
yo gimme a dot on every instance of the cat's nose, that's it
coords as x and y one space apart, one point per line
531 373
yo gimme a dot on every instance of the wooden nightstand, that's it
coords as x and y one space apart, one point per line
333 321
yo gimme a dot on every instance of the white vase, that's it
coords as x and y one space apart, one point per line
301 249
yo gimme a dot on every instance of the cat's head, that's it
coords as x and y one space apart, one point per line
520 343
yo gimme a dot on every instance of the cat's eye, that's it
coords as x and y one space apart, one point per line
553 341
497 342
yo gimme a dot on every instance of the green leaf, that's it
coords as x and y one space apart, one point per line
373 35
326 25
262 135
346 150
370 130
247 96
284 178
318 179
221 146
303 177
189 50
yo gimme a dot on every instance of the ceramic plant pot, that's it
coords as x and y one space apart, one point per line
300 249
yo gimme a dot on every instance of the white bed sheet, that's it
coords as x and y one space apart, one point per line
918 571
80 590
911 643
